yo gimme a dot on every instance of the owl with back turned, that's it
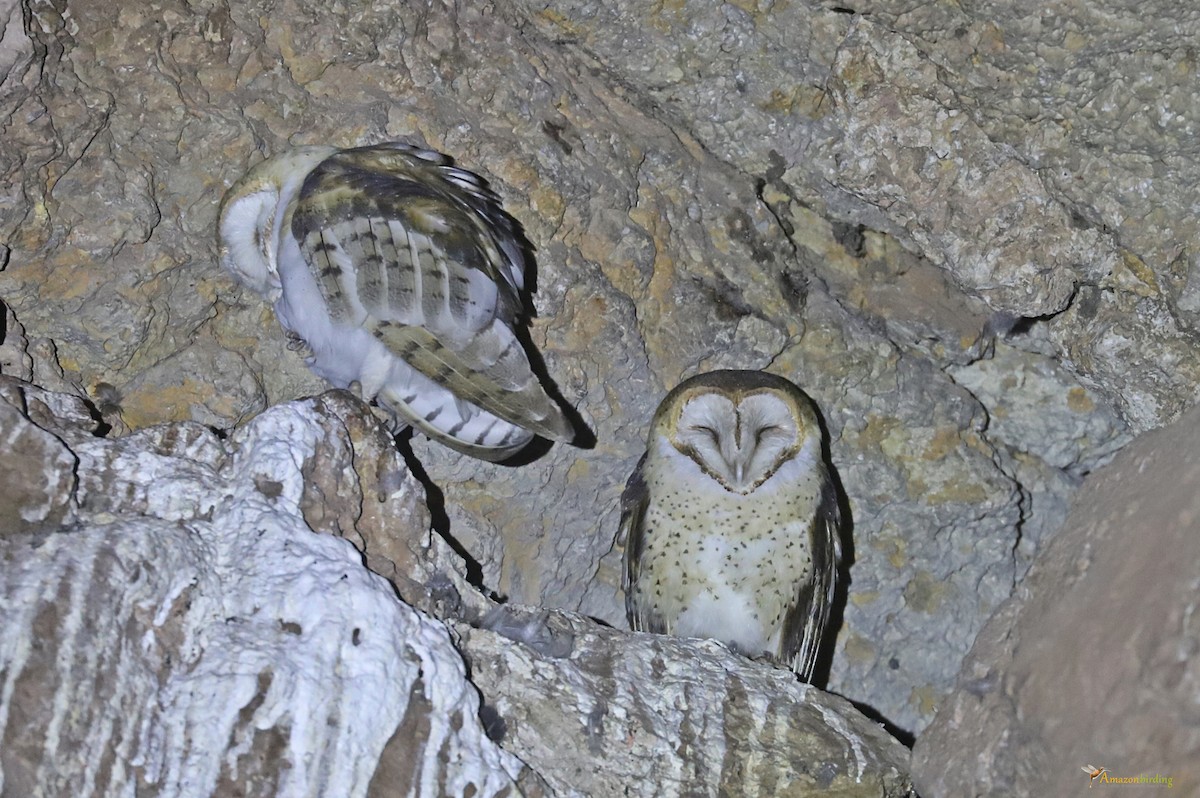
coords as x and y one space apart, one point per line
397 273
731 519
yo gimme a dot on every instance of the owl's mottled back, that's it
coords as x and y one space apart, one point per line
401 274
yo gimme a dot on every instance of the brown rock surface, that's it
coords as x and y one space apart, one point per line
1095 660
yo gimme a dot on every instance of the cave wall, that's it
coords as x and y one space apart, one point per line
1093 660
967 233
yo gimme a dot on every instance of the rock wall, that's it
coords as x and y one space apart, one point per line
966 232
1093 661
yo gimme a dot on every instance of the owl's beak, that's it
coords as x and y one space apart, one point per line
738 466
738 460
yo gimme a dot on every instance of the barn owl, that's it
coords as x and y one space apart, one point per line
731 519
398 273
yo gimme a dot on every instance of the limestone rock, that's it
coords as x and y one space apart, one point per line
1030 413
597 712
1095 660
1094 103
186 632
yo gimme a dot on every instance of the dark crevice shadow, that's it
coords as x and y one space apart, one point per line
584 438
905 737
439 520
102 427
533 450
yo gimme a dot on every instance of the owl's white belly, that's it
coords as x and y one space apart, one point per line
734 585
720 609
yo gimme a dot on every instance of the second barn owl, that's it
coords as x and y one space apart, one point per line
397 272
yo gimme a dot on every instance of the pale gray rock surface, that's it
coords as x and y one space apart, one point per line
178 628
1095 660
601 712
900 208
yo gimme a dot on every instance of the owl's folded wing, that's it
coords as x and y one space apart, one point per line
420 255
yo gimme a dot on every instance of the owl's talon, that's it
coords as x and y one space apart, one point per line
296 343
355 387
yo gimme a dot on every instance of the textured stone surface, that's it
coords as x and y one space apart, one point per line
1095 660
1092 102
1096 100
1044 160
599 712
194 621
904 209
187 633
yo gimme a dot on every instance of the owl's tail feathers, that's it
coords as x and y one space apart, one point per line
481 435
488 369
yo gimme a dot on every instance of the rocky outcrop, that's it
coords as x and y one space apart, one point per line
598 712
931 233
1094 661
174 626
193 616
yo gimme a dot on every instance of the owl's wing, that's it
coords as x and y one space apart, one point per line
634 500
804 625
466 190
420 254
